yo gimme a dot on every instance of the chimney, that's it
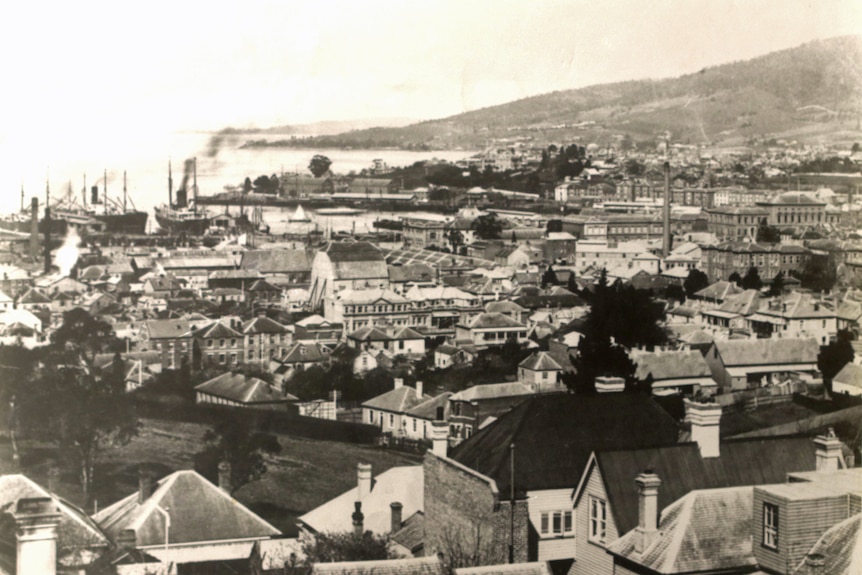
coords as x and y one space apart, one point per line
36 520
127 539
399 382
815 563
224 476
610 384
827 451
704 419
145 484
363 480
419 389
439 438
396 508
647 530
358 519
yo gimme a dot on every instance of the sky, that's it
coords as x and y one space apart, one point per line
89 71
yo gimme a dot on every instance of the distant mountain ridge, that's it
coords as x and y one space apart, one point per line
799 93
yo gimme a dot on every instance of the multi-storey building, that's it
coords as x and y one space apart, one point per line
265 339
794 210
722 260
796 315
700 197
608 255
424 233
342 266
363 308
222 344
736 222
172 339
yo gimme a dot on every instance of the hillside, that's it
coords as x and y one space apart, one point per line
801 93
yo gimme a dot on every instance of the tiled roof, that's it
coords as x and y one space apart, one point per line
404 484
503 306
534 568
243 389
75 530
840 547
682 469
200 512
720 291
767 351
305 353
413 566
745 303
705 531
579 425
277 261
218 330
397 400
540 361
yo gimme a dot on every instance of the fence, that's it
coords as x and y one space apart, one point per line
753 398
320 409
404 444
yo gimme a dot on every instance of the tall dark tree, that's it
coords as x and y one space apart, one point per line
767 234
319 165
694 282
776 288
819 274
835 356
487 227
235 441
571 284
455 239
84 335
752 279
735 278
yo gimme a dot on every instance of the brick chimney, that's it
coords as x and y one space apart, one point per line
36 520
827 451
224 476
358 519
363 480
705 419
396 508
145 483
440 438
127 539
398 382
419 389
647 530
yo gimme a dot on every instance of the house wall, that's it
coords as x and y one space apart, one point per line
552 547
387 421
591 557
530 377
841 388
716 367
263 346
800 525
461 510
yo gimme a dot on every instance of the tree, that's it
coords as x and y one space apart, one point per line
854 148
514 237
329 547
571 284
319 165
819 274
767 234
83 335
455 239
81 409
752 279
835 356
549 277
554 226
234 440
635 168
776 288
735 278
487 227
694 282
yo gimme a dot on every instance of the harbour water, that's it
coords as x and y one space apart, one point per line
146 162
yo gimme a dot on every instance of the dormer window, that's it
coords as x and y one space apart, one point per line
770 525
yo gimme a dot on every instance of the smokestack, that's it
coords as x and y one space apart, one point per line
665 244
395 524
358 519
36 520
647 530
34 228
94 195
363 480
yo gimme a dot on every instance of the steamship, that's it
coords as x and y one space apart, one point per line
183 216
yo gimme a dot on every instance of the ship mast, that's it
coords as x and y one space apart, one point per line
22 196
125 194
170 186
105 192
195 182
84 191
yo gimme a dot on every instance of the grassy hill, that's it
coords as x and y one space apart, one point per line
803 93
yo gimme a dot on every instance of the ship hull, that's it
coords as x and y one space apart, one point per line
195 227
134 223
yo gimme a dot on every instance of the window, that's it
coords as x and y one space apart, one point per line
598 519
233 342
557 523
371 416
221 358
221 343
414 424
770 525
391 420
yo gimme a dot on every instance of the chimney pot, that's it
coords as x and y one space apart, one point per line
363 480
396 508
398 382
145 483
705 419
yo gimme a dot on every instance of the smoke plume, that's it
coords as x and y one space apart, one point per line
188 170
67 254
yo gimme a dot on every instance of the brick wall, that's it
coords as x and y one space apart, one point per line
466 521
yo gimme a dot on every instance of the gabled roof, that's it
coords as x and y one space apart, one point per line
277 261
369 333
243 389
404 484
263 285
745 352
301 352
682 469
532 568
705 531
412 535
492 391
262 325
543 427
76 529
745 303
428 409
493 320
670 365
34 296
412 566
719 291
407 333
199 511
541 361
218 330
503 306
167 328
850 374
398 400
354 252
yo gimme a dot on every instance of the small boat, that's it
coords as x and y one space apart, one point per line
299 216
339 211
